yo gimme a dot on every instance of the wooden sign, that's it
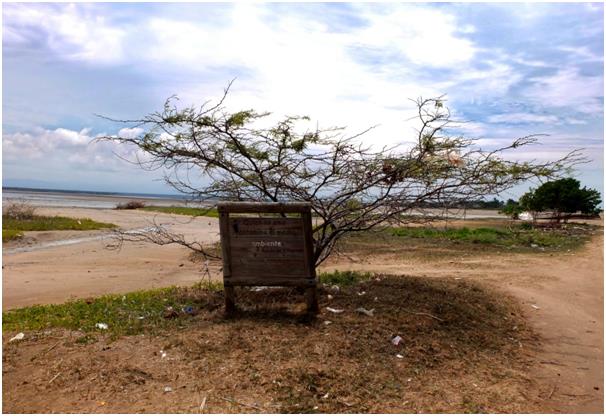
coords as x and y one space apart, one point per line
267 251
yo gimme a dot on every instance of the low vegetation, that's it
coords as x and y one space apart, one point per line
191 211
8 235
518 236
20 217
130 205
460 344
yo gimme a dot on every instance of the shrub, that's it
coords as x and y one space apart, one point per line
131 205
19 211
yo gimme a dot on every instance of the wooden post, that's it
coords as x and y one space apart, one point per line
230 300
311 298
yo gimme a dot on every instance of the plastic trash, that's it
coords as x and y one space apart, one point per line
535 306
333 310
399 356
188 310
366 311
327 322
330 297
396 340
17 337
361 293
101 325
168 389
335 288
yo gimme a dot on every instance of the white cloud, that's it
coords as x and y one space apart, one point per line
522 118
569 88
72 31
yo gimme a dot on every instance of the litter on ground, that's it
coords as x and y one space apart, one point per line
333 310
17 337
396 340
101 325
366 311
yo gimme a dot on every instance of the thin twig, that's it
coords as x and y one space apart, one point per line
43 353
53 379
227 399
425 314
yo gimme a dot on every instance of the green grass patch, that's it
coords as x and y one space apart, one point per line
515 236
8 235
344 278
132 313
194 212
42 223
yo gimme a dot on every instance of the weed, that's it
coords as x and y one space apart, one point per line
131 205
194 212
8 235
343 278
42 223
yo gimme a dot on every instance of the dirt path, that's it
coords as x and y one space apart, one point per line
563 296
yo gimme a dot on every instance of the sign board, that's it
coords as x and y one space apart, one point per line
267 251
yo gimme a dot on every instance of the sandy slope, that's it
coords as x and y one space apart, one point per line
46 275
567 288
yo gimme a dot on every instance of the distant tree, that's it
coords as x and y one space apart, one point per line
213 154
512 209
563 198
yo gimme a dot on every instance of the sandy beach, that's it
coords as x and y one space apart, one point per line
82 265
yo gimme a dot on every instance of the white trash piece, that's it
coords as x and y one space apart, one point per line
366 311
329 297
535 306
101 325
168 389
526 216
399 356
17 337
333 310
396 340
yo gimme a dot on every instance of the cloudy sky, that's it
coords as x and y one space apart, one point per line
508 69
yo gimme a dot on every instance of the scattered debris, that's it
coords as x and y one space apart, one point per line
227 399
333 310
376 299
162 354
327 322
335 288
101 325
53 379
189 310
168 389
325 396
361 293
203 404
535 306
409 380
17 337
170 313
330 297
534 245
399 356
366 311
396 340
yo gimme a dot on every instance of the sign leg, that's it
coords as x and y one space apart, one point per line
230 300
311 298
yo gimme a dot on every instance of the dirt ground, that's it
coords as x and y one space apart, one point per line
561 296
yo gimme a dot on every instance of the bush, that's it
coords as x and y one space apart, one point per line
19 211
131 205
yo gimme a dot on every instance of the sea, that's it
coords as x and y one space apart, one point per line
85 199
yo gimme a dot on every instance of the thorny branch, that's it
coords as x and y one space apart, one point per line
212 154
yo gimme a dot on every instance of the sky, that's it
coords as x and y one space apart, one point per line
508 70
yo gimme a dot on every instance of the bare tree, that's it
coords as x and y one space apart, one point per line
213 154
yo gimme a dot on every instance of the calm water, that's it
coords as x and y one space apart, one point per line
47 198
